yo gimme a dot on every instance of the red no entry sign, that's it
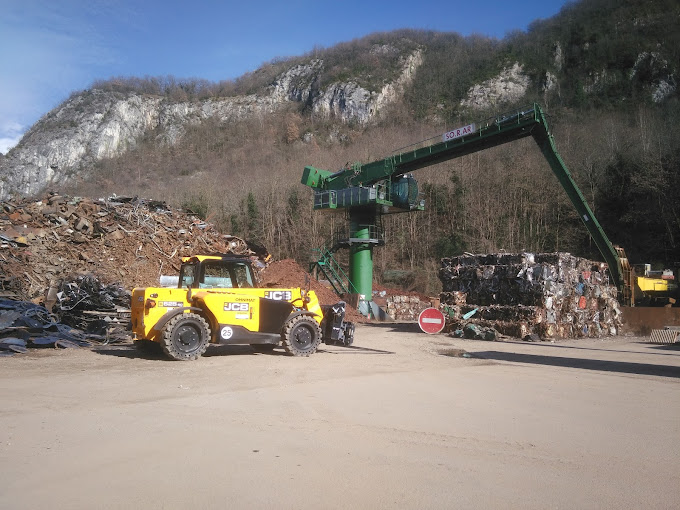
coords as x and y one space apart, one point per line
431 321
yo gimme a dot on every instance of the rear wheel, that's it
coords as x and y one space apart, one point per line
185 337
301 336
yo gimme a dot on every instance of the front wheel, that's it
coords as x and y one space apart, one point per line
185 337
301 336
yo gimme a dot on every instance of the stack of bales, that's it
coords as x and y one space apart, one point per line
552 295
405 308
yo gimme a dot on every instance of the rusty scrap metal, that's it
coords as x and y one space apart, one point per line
79 257
24 324
119 239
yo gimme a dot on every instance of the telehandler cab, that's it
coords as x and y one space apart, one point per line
216 301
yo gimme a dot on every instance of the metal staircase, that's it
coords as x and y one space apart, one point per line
325 263
323 260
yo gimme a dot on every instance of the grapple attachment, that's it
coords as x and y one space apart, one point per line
334 328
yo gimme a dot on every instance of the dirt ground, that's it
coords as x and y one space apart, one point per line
400 420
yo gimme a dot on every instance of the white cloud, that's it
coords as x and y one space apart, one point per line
10 134
47 51
7 143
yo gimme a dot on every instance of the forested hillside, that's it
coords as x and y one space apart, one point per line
605 71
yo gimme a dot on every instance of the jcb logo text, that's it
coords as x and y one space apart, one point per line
236 307
279 295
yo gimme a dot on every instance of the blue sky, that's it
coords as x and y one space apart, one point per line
51 48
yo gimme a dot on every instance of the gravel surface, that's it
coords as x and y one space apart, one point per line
400 420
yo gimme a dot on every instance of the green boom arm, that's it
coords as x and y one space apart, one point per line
497 131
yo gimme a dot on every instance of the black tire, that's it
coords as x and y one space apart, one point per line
185 337
301 336
263 347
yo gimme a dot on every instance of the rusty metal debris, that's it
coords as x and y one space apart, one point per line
552 295
24 324
122 240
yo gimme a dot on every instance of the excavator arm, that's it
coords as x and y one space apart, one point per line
546 142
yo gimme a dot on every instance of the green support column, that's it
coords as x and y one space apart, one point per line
361 254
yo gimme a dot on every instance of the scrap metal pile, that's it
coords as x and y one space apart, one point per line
126 240
88 304
547 295
79 257
24 324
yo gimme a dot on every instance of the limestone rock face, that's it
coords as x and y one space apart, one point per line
550 82
658 74
350 102
509 86
558 57
98 124
298 83
87 127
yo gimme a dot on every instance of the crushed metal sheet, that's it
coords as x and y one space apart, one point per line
7 318
33 326
16 345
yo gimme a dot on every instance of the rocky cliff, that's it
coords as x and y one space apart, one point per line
100 124
594 54
508 87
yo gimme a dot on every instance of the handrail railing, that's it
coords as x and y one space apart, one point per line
333 272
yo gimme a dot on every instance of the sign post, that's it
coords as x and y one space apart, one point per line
431 321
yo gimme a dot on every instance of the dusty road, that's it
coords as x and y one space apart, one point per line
392 423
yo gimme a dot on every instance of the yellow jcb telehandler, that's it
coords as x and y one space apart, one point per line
216 301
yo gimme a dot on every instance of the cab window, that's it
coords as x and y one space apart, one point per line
215 276
243 275
187 275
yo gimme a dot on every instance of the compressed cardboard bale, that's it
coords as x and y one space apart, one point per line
405 307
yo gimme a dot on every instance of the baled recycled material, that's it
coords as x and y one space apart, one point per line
552 295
